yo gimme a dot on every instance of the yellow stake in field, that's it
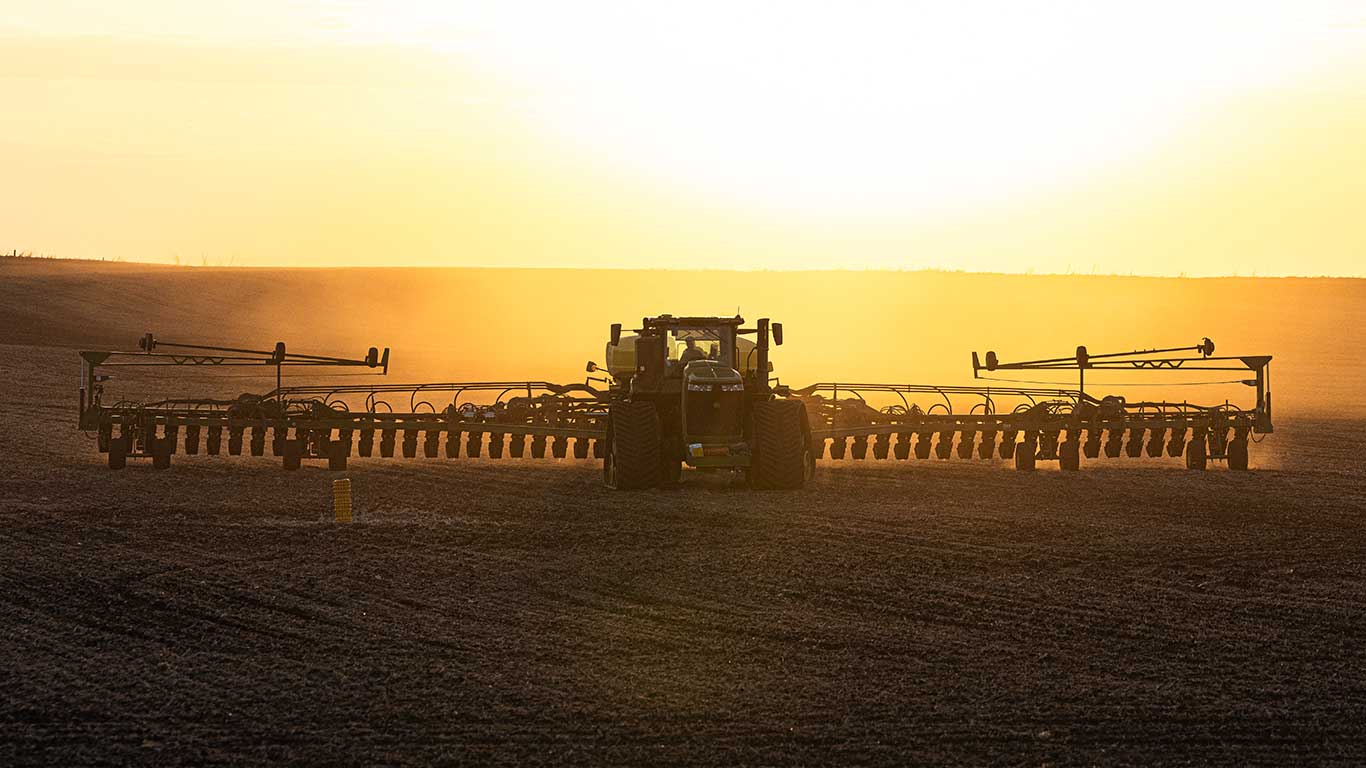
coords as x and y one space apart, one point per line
341 500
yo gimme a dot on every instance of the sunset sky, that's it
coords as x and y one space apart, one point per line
1152 138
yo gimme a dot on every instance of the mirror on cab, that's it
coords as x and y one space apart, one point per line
616 334
777 334
591 367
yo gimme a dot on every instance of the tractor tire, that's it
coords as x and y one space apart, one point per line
118 452
1069 455
1025 452
633 447
783 459
1237 454
1196 454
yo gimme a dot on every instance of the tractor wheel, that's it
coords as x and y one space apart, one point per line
633 450
1237 454
1196 456
118 452
782 446
1069 455
1025 452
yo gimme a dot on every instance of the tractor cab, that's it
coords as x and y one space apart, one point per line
658 347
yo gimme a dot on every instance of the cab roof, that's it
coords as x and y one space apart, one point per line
669 321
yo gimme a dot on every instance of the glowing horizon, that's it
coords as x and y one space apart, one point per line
1077 138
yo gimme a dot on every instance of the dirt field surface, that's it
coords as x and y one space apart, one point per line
516 612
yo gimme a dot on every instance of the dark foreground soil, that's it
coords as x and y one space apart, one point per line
516 612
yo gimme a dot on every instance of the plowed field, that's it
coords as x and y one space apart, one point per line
516 612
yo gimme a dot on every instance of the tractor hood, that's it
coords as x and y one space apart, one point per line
708 375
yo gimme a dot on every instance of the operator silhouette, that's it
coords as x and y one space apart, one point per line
693 352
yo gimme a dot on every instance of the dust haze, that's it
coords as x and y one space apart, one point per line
902 327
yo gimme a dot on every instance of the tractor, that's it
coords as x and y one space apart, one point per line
696 391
